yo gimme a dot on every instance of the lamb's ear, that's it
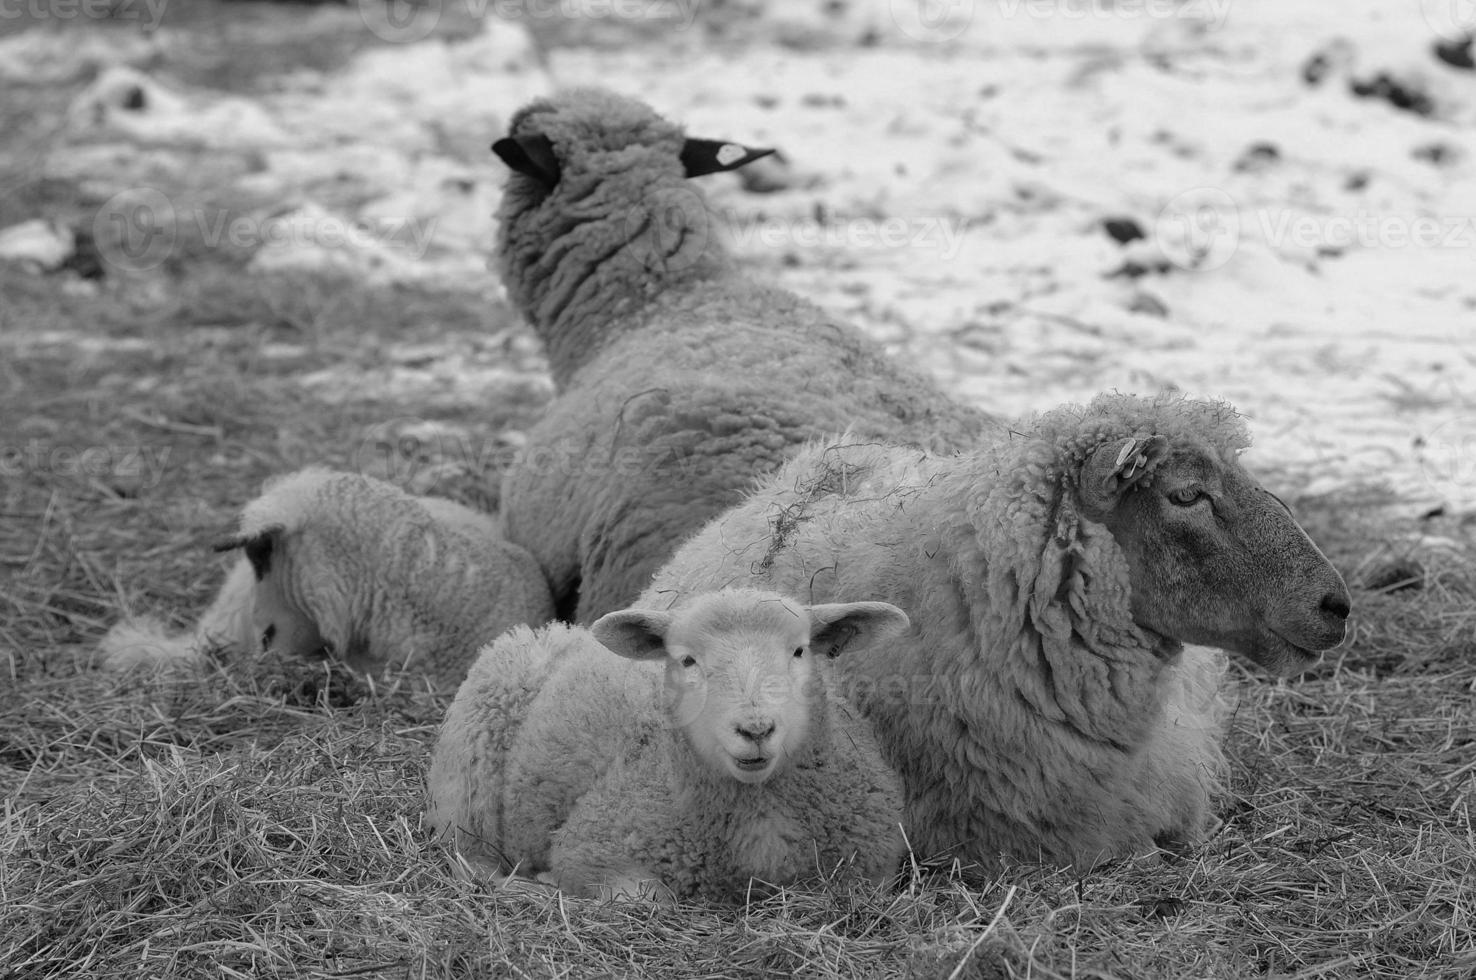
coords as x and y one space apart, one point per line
258 547
636 634
710 156
838 626
1115 466
532 155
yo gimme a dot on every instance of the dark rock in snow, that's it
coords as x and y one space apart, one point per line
1398 94
1123 230
1457 54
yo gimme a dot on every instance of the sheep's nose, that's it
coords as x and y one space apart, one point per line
1335 606
756 731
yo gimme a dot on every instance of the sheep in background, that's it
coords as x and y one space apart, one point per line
1043 705
680 380
557 757
346 566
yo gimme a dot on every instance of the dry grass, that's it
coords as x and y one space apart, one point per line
270 824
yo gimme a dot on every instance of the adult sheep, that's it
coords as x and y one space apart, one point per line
1044 704
345 566
556 757
679 378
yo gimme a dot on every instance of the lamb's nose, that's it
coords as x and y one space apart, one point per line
1335 605
756 731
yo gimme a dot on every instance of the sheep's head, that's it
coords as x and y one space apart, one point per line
293 539
1213 558
593 131
280 620
741 677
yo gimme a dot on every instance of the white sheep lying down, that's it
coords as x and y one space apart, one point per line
733 764
345 566
1043 705
679 378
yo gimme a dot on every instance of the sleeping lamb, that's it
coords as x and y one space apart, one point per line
350 567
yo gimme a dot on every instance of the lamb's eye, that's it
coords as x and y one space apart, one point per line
1186 497
689 661
799 652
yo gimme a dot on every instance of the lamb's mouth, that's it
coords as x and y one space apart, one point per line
1281 656
756 763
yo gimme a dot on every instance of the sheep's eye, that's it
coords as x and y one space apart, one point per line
1186 497
689 661
799 652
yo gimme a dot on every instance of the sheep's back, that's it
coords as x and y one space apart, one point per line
674 423
590 707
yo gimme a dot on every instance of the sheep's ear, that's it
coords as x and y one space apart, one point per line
838 626
636 634
532 155
710 156
1115 466
258 547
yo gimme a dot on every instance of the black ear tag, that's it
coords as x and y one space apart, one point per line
532 155
710 156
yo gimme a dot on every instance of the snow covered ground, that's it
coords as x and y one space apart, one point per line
952 167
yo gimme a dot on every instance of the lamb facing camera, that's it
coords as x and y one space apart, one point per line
732 768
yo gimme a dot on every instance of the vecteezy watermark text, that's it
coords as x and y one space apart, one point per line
1201 229
37 457
1368 229
148 13
408 21
140 228
944 20
938 234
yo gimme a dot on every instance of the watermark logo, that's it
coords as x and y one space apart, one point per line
932 21
400 21
136 229
404 451
1452 20
1199 229
670 231
1447 458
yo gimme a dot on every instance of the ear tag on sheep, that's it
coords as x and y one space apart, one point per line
1129 465
701 157
1102 484
531 155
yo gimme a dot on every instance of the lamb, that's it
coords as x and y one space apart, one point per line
556 758
1044 705
679 379
346 566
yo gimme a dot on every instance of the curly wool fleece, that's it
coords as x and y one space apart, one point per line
680 379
